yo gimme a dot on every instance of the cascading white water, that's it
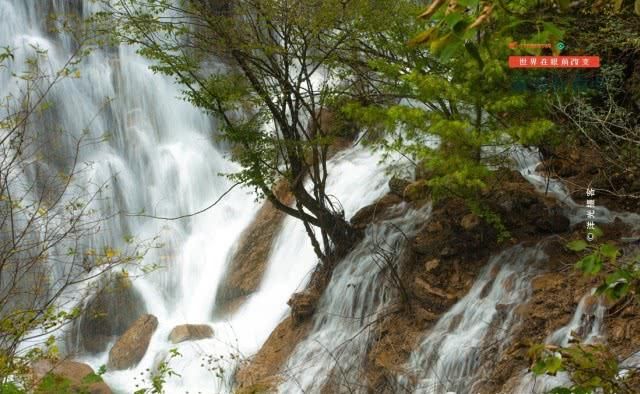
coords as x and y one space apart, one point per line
587 323
159 158
356 296
528 160
448 357
292 260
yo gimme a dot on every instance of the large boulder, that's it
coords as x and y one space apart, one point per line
132 345
67 376
249 261
190 332
107 315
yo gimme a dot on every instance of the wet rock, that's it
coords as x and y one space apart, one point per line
397 186
68 376
107 315
380 210
552 224
425 290
302 305
132 345
249 261
190 332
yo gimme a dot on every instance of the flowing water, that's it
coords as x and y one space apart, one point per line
448 358
586 325
358 294
158 157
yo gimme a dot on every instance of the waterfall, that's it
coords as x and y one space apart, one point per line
356 296
449 356
586 322
158 158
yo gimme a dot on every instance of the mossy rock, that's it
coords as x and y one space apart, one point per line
418 190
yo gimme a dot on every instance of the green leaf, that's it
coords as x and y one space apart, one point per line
609 250
577 245
590 264
636 7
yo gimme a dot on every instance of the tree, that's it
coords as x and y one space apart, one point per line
462 113
268 71
49 252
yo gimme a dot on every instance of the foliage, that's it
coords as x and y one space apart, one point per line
461 114
159 376
621 274
592 368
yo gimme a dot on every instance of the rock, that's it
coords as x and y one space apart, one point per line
397 186
522 310
107 315
425 289
547 281
435 227
470 221
552 224
416 191
431 265
447 252
302 305
190 332
68 377
249 260
509 283
375 212
132 345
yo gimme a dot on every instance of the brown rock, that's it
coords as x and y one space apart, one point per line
470 221
618 331
554 223
522 311
190 332
431 265
398 185
249 261
375 212
70 376
302 305
547 281
133 344
107 315
435 227
426 289
415 191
